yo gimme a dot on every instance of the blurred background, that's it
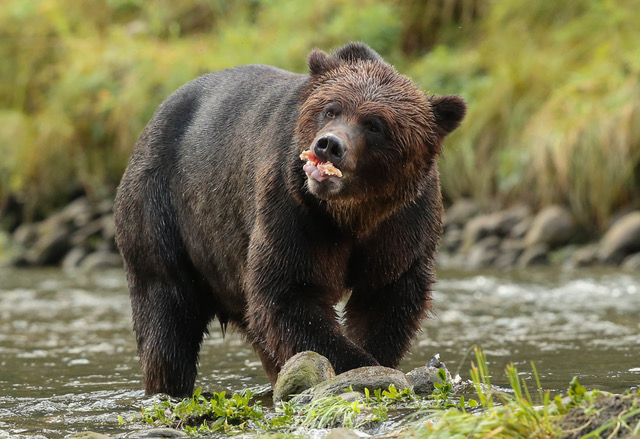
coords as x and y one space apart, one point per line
545 170
553 88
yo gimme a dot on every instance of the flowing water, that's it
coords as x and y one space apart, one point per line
68 363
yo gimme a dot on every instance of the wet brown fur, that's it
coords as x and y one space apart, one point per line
215 217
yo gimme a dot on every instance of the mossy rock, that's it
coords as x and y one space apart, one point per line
303 371
357 380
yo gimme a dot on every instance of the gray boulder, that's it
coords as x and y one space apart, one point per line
74 258
78 213
89 435
26 234
84 234
536 255
632 262
370 377
157 433
494 224
553 226
483 253
109 230
584 256
54 241
101 259
621 240
460 212
301 372
510 251
423 378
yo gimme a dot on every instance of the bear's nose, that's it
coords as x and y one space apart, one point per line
330 148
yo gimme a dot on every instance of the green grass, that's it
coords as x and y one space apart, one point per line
491 413
553 87
554 113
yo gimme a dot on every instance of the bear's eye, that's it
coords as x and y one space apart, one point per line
373 126
330 114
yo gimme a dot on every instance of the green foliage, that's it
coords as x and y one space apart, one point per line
201 415
79 80
504 414
554 112
553 87
444 395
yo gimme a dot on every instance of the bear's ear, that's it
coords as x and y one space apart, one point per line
356 51
320 63
449 112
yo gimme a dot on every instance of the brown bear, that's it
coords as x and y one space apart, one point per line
262 198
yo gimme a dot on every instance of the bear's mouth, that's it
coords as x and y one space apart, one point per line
317 170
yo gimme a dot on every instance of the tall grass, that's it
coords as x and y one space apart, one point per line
79 80
552 87
553 91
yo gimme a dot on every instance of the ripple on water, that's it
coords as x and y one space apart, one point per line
67 352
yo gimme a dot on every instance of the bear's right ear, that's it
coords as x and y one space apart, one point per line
449 112
320 63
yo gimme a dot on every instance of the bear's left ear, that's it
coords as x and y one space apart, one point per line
449 112
320 63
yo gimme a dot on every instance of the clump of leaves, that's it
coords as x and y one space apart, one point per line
200 414
444 395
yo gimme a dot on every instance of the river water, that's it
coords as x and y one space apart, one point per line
68 363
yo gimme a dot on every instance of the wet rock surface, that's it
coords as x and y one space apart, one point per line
423 379
520 238
349 385
157 433
303 371
553 226
82 235
370 377
345 433
89 435
621 240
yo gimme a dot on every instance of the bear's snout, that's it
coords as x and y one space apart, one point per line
330 148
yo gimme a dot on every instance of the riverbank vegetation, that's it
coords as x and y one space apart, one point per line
553 87
491 412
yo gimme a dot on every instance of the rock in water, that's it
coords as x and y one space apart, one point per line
344 433
423 378
157 433
370 377
301 372
89 435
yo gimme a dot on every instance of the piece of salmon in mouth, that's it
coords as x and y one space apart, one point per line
317 170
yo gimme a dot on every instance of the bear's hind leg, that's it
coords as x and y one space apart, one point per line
170 323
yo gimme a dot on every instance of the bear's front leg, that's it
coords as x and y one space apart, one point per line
288 321
288 312
385 319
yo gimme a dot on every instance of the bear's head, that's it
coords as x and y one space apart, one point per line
381 133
